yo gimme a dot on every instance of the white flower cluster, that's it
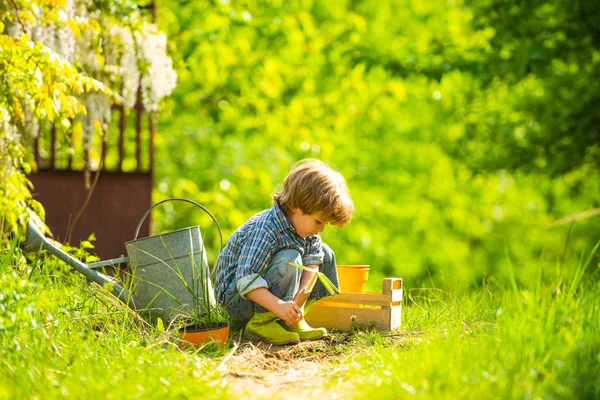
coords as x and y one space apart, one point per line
98 109
159 78
56 35
31 125
140 58
45 34
120 56
66 37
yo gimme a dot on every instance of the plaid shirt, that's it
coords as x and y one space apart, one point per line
250 248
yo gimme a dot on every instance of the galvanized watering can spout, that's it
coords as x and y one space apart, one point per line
36 241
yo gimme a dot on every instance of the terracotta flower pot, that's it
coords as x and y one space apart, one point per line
197 334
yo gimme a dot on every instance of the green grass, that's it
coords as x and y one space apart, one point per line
497 345
61 338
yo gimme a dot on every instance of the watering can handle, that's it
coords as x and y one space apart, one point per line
137 230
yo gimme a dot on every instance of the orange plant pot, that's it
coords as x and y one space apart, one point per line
352 279
195 335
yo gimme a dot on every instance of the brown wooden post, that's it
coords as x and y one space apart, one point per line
152 122
53 147
104 149
121 134
139 108
70 156
36 149
86 154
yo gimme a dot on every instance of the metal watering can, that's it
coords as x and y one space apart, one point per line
168 272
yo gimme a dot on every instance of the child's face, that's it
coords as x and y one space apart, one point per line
307 224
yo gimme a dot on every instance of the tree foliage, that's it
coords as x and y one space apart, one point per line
444 121
550 50
465 129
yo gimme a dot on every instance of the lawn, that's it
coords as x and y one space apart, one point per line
60 337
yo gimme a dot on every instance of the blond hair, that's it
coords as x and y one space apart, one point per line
314 187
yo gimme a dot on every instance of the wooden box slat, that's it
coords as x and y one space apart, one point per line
380 310
372 299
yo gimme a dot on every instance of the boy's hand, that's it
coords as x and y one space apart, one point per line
290 312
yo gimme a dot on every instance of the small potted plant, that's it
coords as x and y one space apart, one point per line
203 320
210 325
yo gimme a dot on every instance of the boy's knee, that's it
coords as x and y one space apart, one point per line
285 256
328 255
280 266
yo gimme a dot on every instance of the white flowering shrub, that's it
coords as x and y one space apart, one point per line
122 61
64 61
158 78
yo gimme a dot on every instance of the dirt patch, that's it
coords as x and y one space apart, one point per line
259 370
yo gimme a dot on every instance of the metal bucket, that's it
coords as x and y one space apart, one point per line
169 272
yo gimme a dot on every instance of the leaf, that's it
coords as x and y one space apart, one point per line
329 286
87 244
98 126
159 325
27 16
100 58
74 28
49 109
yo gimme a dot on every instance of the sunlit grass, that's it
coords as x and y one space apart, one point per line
62 337
539 341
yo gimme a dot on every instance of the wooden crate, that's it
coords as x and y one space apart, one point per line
380 310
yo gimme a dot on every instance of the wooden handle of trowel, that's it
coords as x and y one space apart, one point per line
302 297
305 293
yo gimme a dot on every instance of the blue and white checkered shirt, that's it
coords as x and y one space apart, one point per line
250 249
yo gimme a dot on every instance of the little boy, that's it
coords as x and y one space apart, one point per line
255 283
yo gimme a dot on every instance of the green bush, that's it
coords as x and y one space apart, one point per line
456 128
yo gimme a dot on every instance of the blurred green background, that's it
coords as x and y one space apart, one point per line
467 130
